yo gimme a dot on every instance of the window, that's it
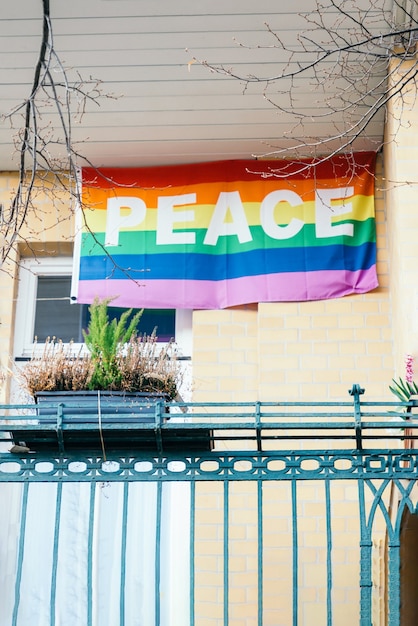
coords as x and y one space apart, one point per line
44 309
56 315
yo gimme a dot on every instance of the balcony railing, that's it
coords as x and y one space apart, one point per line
281 473
164 427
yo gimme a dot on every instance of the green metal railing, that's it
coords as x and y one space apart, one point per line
243 468
202 426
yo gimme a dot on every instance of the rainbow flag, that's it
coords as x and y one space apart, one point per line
215 235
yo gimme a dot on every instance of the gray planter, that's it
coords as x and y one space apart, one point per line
70 422
108 406
74 420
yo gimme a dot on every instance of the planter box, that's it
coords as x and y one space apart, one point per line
87 406
127 422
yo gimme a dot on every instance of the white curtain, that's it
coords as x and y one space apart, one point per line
68 559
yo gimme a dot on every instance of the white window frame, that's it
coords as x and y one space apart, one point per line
30 269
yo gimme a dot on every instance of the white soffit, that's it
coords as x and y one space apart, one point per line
160 108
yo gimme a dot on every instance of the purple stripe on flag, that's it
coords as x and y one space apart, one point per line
202 294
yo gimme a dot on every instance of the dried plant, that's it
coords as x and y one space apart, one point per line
149 367
56 368
142 365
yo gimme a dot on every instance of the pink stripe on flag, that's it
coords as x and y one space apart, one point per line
203 294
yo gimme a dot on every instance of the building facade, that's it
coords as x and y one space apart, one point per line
296 351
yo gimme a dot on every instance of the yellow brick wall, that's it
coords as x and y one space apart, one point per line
49 232
225 354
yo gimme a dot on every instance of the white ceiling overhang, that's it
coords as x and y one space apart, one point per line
159 106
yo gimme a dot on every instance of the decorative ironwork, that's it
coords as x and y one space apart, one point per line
309 465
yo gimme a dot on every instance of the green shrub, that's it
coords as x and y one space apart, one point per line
105 339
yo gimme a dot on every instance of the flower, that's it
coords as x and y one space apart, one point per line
404 389
409 366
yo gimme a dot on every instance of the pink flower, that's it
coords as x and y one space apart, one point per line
409 366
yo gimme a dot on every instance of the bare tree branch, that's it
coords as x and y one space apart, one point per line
351 60
48 158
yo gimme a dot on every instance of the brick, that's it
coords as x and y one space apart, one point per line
313 362
209 372
234 329
206 563
246 371
205 330
326 376
367 334
377 320
213 343
231 356
379 348
301 321
299 376
273 364
352 347
313 334
270 337
266 309
325 321
232 384
210 356
237 595
340 334
248 344
341 362
330 347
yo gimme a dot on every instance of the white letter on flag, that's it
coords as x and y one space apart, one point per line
115 220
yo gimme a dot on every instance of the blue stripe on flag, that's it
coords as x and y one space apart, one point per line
189 266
